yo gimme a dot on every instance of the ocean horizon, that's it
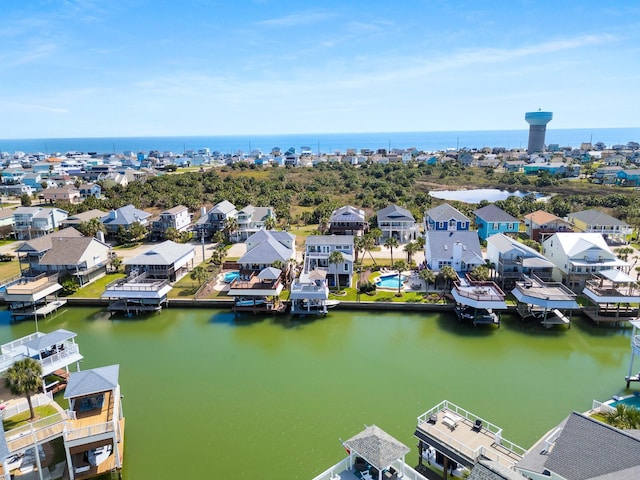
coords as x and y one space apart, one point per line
322 143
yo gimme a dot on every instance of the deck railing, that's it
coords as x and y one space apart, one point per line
88 431
19 407
69 350
36 432
601 407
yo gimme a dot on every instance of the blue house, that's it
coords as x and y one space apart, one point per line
628 178
491 220
446 218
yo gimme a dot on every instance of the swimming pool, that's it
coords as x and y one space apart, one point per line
632 401
231 276
390 281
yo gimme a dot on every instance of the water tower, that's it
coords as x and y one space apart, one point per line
537 128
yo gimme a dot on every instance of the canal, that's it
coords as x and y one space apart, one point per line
209 396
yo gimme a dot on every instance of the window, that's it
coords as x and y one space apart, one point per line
496 226
346 267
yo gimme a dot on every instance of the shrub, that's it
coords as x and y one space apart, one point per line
367 287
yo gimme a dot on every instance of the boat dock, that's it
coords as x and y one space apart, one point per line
39 312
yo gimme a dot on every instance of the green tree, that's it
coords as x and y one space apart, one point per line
448 275
116 262
25 200
400 266
481 273
91 227
199 274
137 231
230 226
172 234
24 377
391 243
368 244
336 258
428 276
270 223
624 417
410 248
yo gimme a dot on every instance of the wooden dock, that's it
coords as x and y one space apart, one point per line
39 312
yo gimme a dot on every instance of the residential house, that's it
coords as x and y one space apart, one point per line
512 259
90 190
95 427
31 222
582 447
124 217
79 218
540 224
35 181
250 220
629 177
6 223
266 247
447 218
168 261
577 256
12 176
458 249
606 175
215 219
67 193
397 222
177 218
491 220
318 249
66 253
595 221
348 220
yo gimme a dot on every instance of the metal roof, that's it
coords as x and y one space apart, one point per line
48 339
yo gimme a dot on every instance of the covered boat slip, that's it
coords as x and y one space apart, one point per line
615 296
475 301
33 297
635 351
136 294
547 302
258 293
464 437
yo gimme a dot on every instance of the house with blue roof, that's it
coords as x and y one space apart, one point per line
124 217
491 220
446 218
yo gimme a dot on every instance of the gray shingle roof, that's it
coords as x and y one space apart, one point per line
126 215
267 252
596 217
68 251
394 212
588 449
489 470
377 447
45 242
223 207
436 241
329 240
96 380
445 212
491 213
167 253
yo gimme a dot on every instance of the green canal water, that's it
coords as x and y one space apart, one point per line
206 395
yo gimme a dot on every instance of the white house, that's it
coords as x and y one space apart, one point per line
511 259
318 249
457 249
31 222
577 256
397 222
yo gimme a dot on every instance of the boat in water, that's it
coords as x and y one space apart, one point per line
98 455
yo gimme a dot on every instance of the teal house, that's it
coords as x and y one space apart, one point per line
491 220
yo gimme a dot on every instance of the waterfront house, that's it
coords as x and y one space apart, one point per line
318 249
124 217
457 249
595 221
31 222
491 220
348 220
373 454
577 256
54 351
94 434
581 447
550 303
67 193
447 218
540 224
512 259
137 293
215 219
397 222
455 438
251 220
168 261
66 253
310 294
258 292
615 296
177 218
264 248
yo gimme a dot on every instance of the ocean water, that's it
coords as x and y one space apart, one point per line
324 143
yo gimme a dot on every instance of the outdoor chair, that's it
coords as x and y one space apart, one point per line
360 464
477 426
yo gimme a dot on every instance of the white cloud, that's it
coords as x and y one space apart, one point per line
297 19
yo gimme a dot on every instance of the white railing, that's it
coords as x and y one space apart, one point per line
330 473
19 407
551 439
84 432
21 341
486 425
404 471
36 432
69 350
602 407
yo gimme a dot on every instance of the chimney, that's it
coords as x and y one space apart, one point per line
456 259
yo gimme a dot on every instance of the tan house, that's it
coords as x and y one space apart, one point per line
67 193
540 224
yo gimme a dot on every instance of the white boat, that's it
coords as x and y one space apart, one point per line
96 456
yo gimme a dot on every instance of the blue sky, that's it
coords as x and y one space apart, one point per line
84 68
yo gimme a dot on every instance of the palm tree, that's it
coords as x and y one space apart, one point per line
115 263
481 273
334 259
24 377
411 248
270 223
368 243
230 226
391 243
400 265
358 247
199 274
491 266
448 274
420 241
428 276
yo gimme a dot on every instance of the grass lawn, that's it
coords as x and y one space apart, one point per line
23 418
9 269
96 289
128 246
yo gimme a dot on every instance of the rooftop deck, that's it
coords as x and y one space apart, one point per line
479 294
534 291
453 431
